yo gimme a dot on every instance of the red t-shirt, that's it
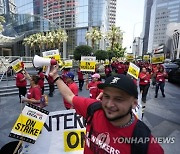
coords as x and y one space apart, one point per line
19 83
74 88
93 89
108 70
50 79
80 75
104 130
34 92
120 69
144 78
160 77
41 80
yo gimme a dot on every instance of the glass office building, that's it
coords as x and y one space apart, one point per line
163 12
75 16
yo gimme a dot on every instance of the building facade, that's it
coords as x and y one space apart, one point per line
146 24
75 16
163 12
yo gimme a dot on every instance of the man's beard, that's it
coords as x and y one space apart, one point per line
121 116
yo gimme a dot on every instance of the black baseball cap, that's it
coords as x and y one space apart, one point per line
122 82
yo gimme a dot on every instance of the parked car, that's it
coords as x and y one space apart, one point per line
173 70
170 66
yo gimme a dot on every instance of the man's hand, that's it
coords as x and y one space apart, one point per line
54 71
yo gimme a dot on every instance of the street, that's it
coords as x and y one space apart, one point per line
162 115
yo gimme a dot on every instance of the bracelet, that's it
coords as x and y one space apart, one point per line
57 79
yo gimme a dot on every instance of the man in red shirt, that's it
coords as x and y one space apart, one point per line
144 84
80 79
21 83
73 86
115 119
41 80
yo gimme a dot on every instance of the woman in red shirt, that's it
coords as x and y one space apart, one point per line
34 94
144 83
160 81
92 86
21 83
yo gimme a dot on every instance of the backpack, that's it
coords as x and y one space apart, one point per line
140 130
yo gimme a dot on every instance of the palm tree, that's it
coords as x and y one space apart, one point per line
31 41
59 37
2 20
41 41
114 36
50 43
94 35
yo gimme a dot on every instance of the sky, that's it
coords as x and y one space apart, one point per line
129 17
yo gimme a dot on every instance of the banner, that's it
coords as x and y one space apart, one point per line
63 133
17 65
157 58
88 63
68 64
29 124
133 70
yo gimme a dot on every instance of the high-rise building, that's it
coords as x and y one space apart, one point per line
163 12
75 16
112 12
7 7
146 24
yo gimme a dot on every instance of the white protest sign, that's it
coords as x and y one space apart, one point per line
88 63
29 124
63 133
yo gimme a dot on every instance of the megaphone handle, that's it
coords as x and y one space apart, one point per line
47 71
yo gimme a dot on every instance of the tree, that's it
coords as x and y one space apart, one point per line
110 54
101 55
60 36
119 50
49 40
94 35
114 35
31 42
82 50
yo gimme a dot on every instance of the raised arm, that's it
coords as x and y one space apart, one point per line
63 88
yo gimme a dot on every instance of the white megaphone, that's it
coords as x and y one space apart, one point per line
40 61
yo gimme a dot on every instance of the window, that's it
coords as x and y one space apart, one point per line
173 7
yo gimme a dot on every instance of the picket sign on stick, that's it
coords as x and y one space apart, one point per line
133 70
29 124
63 133
88 64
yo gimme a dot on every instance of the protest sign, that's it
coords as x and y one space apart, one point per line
63 133
68 64
29 124
133 70
157 58
17 65
53 54
129 57
146 57
88 63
